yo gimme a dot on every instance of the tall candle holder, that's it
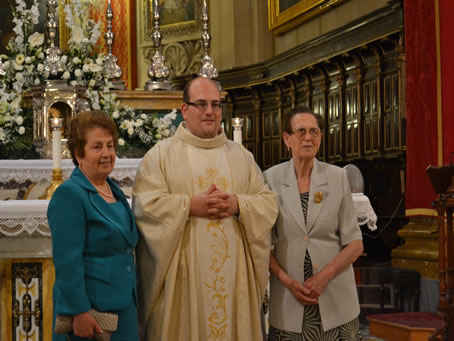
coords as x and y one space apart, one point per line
207 69
113 70
237 124
52 63
158 72
56 125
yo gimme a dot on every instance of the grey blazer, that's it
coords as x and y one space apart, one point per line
331 225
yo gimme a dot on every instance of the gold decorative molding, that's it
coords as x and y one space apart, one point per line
420 251
282 20
151 100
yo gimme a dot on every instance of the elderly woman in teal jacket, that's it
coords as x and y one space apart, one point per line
93 235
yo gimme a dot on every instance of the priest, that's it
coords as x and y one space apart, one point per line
205 216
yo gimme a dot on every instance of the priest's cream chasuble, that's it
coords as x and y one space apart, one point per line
201 279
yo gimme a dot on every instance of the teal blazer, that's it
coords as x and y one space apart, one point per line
92 250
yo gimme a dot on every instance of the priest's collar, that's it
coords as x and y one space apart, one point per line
185 135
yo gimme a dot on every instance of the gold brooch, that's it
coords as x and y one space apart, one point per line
318 197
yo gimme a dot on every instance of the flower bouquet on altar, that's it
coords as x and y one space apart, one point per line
83 66
13 124
137 131
83 61
19 70
23 66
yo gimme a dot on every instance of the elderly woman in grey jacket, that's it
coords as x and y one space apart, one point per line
317 238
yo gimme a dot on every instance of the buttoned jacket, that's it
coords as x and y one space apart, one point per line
331 225
92 250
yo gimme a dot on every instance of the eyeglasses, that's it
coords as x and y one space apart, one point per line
302 132
203 105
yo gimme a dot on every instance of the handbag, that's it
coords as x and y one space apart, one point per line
107 321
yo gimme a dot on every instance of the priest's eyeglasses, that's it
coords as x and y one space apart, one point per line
203 105
302 132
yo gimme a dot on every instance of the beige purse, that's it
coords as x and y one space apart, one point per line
107 321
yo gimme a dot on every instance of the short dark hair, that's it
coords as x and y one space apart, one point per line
287 121
83 122
186 98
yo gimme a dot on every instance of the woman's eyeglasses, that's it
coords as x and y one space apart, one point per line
302 132
203 105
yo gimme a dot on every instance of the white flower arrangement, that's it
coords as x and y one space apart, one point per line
135 129
83 66
25 50
20 69
12 122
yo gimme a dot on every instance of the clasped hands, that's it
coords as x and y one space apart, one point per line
307 293
214 204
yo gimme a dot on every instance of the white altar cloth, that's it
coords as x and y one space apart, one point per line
24 230
38 170
23 223
24 217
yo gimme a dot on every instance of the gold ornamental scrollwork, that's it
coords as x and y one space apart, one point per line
216 289
27 302
212 178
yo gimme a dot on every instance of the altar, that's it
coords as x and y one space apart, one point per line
26 268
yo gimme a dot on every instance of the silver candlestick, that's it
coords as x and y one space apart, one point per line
52 63
207 70
110 61
158 72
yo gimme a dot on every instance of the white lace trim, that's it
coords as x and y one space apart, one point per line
38 170
364 211
24 216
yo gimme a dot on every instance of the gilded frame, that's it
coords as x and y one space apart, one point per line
282 21
186 29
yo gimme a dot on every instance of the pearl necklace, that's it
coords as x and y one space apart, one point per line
109 195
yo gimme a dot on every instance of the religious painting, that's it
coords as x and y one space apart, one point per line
175 11
283 15
176 18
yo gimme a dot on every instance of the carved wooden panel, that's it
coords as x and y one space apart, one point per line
372 101
246 105
391 112
335 115
319 103
359 93
289 95
352 130
354 66
303 89
271 124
